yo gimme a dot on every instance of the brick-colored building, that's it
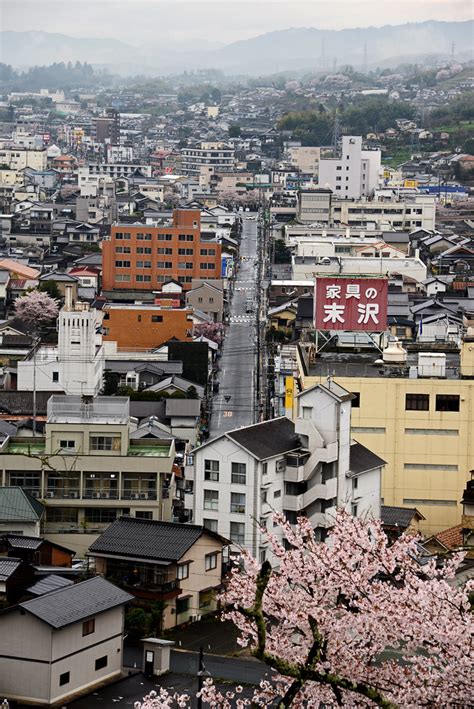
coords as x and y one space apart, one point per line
140 258
137 327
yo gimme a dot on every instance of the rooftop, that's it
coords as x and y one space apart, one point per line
17 506
77 409
267 439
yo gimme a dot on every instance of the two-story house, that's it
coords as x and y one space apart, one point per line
177 564
62 642
88 470
309 466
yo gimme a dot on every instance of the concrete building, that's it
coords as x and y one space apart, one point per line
76 364
62 642
418 416
17 158
144 327
208 299
309 266
407 213
305 159
314 206
309 466
219 156
355 173
176 564
106 129
139 258
96 470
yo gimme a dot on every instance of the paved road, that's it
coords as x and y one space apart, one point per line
237 376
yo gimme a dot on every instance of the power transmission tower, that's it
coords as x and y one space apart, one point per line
336 133
365 59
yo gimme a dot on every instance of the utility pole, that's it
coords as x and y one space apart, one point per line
35 346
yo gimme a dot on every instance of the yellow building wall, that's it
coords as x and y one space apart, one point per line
381 424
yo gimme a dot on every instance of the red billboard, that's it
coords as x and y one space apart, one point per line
350 303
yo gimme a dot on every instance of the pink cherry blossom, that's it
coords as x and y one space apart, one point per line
36 308
357 622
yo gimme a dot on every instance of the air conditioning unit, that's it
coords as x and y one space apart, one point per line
280 466
143 496
96 495
74 495
49 494
134 496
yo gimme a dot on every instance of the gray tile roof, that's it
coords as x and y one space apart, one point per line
267 439
74 603
398 516
48 584
146 539
17 506
21 542
183 407
362 459
8 566
20 403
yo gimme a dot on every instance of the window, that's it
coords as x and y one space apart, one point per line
185 252
104 515
355 483
182 572
182 605
211 470
429 466
165 237
143 249
368 429
277 493
64 678
122 249
140 278
165 251
164 264
123 278
307 410
61 514
88 627
144 514
211 500
237 502
143 237
104 443
122 264
143 264
210 524
119 236
434 503
264 468
239 474
207 252
356 400
417 402
67 445
100 663
185 237
157 318
211 561
432 432
237 532
354 509
447 402
263 496
55 376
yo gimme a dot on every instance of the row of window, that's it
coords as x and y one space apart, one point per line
238 472
421 402
206 266
163 250
237 501
143 278
127 236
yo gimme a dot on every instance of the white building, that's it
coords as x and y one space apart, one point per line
309 266
305 159
219 156
76 365
309 466
355 174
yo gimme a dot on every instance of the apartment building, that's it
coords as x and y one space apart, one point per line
418 415
89 468
305 159
314 205
307 466
140 258
106 129
112 170
409 213
144 327
355 174
219 156
17 158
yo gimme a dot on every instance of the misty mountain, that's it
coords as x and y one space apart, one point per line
25 49
291 49
309 47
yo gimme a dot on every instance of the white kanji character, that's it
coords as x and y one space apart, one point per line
368 311
371 293
353 291
333 291
334 313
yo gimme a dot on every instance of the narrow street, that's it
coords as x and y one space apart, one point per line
234 405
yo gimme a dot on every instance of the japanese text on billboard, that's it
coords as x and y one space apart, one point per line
351 304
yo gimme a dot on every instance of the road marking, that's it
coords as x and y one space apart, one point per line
228 414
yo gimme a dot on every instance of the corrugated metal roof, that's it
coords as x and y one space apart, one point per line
17 506
48 584
74 603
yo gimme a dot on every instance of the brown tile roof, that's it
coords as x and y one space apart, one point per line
451 538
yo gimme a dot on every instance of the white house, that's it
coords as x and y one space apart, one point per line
62 642
355 174
76 365
307 466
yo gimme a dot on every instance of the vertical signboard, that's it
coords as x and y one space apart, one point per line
357 303
289 394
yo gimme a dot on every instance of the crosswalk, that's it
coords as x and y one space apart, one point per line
242 318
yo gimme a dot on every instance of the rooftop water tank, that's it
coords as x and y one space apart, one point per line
394 353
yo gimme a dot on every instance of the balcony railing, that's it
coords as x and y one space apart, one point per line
74 409
92 494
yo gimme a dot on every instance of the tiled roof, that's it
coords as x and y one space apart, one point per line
8 566
21 402
17 506
362 459
74 603
21 542
398 516
48 584
267 439
451 538
146 539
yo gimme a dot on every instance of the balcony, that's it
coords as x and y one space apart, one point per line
137 495
76 409
94 494
63 494
323 491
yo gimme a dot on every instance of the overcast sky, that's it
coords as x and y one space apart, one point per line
138 21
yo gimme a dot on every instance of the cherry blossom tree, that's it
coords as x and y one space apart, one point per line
36 308
212 331
356 622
